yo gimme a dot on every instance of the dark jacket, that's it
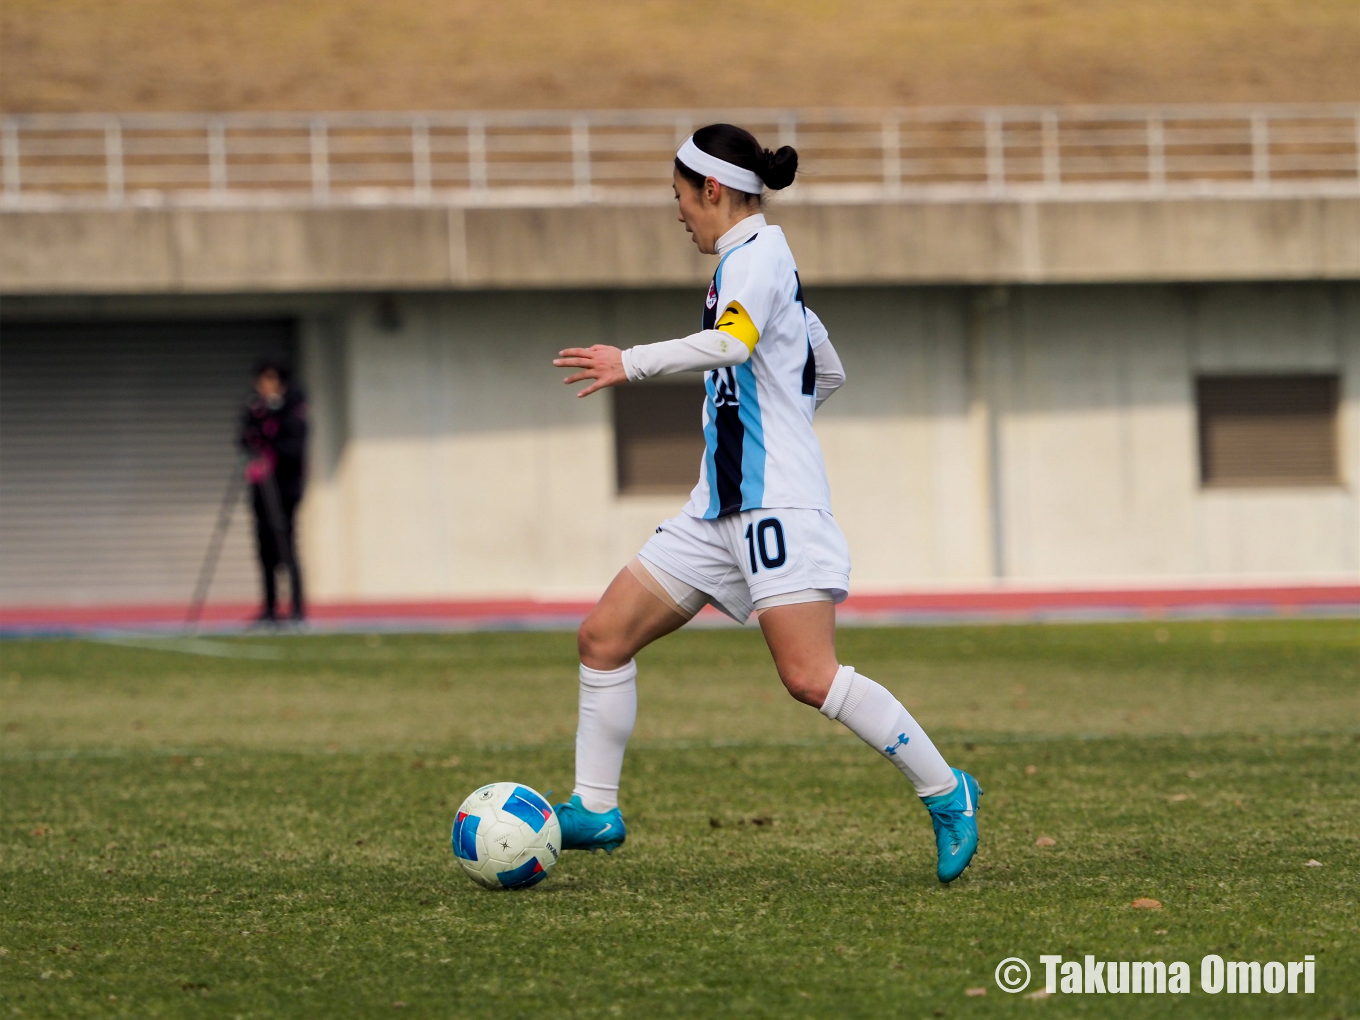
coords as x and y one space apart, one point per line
275 439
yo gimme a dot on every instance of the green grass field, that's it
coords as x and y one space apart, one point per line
259 827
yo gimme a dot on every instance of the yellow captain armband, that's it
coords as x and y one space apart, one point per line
736 322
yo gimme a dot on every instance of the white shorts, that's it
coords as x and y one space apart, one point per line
754 557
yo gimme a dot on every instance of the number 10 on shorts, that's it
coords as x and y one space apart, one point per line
758 541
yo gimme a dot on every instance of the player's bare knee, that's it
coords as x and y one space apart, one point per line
588 642
598 648
805 685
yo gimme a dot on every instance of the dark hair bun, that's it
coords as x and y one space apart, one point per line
739 147
777 169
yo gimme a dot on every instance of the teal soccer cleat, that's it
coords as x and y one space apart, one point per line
954 815
590 830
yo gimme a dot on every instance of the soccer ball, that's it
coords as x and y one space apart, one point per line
506 836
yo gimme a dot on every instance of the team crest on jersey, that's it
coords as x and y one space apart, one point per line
712 300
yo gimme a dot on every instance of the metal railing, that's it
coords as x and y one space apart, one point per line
54 160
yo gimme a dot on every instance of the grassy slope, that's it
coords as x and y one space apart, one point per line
266 836
402 54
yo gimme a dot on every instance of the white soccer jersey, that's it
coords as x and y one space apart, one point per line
761 450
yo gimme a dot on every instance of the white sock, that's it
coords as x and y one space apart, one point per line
604 722
871 713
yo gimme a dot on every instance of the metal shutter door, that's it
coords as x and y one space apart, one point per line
1269 430
116 443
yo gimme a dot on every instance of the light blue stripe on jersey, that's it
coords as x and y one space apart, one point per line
753 438
711 447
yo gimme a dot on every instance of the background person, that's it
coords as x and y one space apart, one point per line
274 437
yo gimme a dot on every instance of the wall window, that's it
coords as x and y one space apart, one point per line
1268 430
658 437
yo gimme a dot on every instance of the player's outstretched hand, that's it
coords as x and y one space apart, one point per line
602 363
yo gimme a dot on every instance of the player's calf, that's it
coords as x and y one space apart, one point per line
802 641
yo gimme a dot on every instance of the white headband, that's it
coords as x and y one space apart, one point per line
728 174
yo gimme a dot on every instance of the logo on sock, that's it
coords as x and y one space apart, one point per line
901 741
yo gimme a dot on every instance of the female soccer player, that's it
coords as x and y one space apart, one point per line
757 533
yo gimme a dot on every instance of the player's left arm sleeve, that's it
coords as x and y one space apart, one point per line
817 334
827 363
698 352
830 372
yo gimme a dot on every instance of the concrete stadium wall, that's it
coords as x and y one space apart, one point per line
1098 476
465 468
1020 406
172 250
1028 435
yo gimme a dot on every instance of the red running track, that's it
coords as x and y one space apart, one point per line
935 606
